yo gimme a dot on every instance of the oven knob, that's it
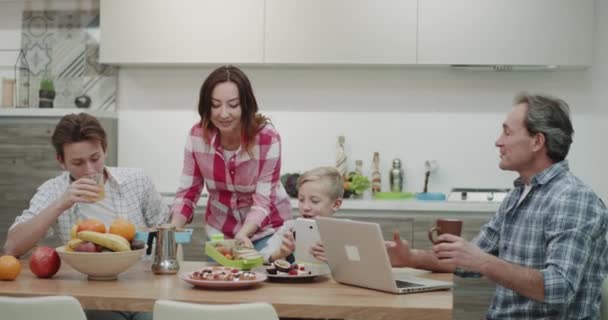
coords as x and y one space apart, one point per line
463 195
490 196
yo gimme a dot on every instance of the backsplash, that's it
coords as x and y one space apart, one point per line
64 45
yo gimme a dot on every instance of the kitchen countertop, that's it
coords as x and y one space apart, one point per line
409 205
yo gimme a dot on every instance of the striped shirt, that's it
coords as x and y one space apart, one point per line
132 195
559 229
245 187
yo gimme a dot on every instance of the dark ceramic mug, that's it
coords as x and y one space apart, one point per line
451 226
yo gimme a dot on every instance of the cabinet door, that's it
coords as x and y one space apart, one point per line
341 31
181 32
520 32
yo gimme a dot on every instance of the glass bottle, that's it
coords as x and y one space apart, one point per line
376 177
396 176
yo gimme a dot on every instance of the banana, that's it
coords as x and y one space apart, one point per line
107 240
72 244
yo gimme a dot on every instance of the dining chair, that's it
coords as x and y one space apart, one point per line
171 310
55 307
604 304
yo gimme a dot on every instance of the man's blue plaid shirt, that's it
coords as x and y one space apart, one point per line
559 229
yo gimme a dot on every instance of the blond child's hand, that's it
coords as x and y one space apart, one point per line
288 246
318 251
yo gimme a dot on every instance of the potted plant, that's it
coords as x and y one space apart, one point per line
46 94
355 184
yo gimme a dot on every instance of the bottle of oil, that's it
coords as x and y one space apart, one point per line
396 176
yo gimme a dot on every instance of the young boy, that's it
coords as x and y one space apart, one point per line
320 192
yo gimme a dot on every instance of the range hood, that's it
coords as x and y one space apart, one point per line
504 67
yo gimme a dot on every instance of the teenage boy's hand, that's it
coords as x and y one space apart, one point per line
82 190
318 251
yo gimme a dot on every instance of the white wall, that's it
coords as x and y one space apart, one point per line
599 76
411 113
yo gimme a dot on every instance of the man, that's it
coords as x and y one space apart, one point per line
546 246
80 143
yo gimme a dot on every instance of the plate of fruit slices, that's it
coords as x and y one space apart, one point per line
283 271
223 278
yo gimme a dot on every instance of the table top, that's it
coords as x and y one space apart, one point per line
138 288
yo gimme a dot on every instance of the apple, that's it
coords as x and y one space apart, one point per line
86 247
44 262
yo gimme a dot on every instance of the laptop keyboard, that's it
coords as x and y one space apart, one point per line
405 284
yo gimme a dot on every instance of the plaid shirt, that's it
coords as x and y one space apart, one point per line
244 188
134 198
560 230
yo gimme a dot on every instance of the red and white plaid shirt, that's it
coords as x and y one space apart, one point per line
243 188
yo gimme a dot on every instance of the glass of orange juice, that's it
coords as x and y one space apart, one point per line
98 178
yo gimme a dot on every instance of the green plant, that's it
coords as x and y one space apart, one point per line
356 183
47 85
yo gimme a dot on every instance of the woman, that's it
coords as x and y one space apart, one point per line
237 152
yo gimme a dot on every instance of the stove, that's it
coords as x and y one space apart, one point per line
477 195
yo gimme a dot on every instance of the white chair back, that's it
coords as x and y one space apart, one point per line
604 304
171 310
56 307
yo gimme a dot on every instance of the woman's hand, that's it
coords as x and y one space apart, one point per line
318 251
243 240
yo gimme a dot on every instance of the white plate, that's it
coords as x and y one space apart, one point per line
305 277
216 284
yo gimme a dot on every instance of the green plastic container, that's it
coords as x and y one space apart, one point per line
242 264
393 195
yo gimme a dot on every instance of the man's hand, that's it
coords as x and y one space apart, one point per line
318 251
455 251
82 190
399 252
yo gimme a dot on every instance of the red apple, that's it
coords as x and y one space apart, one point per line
44 262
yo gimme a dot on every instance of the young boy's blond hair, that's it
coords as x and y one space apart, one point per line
330 177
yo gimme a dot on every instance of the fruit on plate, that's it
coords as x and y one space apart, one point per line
10 267
44 262
107 240
123 228
91 225
73 244
282 265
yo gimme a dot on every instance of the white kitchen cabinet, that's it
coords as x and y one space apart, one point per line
341 31
518 32
181 32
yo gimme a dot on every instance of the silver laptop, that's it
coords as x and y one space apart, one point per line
357 256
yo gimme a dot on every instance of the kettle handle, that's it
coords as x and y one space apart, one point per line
151 236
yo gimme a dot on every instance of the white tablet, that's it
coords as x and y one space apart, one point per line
307 235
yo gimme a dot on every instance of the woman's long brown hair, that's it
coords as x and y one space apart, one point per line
251 121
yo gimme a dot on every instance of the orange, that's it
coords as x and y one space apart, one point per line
92 225
123 228
10 268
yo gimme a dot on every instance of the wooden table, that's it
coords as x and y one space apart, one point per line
138 289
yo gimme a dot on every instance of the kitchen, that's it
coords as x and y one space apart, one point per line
399 109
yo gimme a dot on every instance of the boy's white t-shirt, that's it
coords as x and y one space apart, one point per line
274 243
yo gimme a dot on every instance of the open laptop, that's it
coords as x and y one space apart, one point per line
357 256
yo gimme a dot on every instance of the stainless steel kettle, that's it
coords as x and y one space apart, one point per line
165 257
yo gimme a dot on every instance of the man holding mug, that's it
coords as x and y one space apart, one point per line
546 246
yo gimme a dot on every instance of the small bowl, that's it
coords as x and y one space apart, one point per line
100 265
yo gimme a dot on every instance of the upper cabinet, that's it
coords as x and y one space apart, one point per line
341 31
518 32
181 32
